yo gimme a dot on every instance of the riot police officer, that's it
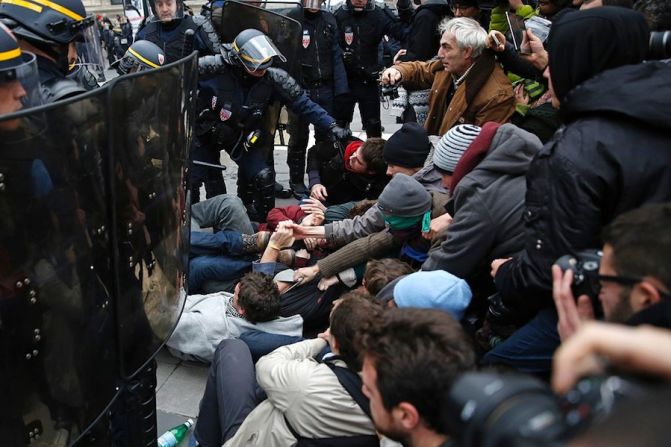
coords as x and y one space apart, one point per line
167 27
142 55
49 31
323 77
238 86
362 26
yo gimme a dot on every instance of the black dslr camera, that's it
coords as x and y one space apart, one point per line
660 45
389 91
585 267
487 409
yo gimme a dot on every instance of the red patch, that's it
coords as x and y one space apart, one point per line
349 38
306 39
224 114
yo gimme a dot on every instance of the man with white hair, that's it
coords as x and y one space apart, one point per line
467 85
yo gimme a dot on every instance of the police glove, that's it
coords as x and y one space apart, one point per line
339 133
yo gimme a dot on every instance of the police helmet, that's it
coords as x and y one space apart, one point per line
254 50
142 55
18 75
47 22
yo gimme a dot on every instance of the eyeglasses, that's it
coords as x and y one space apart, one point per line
629 281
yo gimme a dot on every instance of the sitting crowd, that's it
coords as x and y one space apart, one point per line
347 318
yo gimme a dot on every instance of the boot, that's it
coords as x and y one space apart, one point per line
296 162
373 128
264 193
255 243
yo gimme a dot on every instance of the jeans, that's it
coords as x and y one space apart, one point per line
214 258
531 347
231 393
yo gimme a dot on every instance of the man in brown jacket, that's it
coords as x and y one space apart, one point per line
467 84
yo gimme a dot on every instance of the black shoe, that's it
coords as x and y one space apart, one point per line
281 192
299 190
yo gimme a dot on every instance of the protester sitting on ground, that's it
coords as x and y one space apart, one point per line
467 84
611 157
208 319
406 152
356 173
409 364
488 187
430 290
306 399
407 210
380 272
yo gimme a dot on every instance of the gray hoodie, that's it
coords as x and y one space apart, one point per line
487 207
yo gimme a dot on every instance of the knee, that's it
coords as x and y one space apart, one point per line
231 350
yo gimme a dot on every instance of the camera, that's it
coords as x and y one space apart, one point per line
585 267
487 409
389 91
660 45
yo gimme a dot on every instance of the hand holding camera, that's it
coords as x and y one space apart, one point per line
572 312
390 76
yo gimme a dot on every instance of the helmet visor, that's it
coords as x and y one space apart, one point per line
166 10
89 54
20 86
258 52
312 4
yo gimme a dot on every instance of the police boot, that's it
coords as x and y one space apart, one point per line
246 194
214 184
296 162
264 193
373 128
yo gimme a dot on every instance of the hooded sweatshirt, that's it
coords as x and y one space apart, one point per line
486 208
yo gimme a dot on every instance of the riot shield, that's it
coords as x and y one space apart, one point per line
151 134
285 33
57 326
93 249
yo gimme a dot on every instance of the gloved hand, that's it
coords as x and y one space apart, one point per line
340 133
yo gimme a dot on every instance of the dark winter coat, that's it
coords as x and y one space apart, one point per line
614 155
424 38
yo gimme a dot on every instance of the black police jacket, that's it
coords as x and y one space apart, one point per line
321 55
360 34
170 37
232 104
424 38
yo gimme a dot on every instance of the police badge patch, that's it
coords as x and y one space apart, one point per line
306 38
224 114
161 59
214 102
349 36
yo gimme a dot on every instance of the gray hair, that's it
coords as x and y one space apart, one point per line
467 32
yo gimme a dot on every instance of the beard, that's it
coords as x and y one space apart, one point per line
622 311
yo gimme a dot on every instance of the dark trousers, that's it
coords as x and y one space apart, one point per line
364 93
231 393
299 131
211 177
531 347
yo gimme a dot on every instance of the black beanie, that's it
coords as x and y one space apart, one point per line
408 146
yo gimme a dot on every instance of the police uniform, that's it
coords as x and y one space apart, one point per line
360 35
232 105
323 77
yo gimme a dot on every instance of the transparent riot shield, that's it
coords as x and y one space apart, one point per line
59 365
93 250
285 33
150 137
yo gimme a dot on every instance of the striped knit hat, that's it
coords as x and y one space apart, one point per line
452 146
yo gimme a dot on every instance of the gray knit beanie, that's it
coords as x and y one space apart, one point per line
405 197
452 146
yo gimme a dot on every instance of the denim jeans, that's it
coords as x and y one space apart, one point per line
215 257
531 347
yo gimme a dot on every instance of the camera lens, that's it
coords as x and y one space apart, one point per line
660 45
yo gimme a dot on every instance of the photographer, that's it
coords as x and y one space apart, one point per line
634 272
465 78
